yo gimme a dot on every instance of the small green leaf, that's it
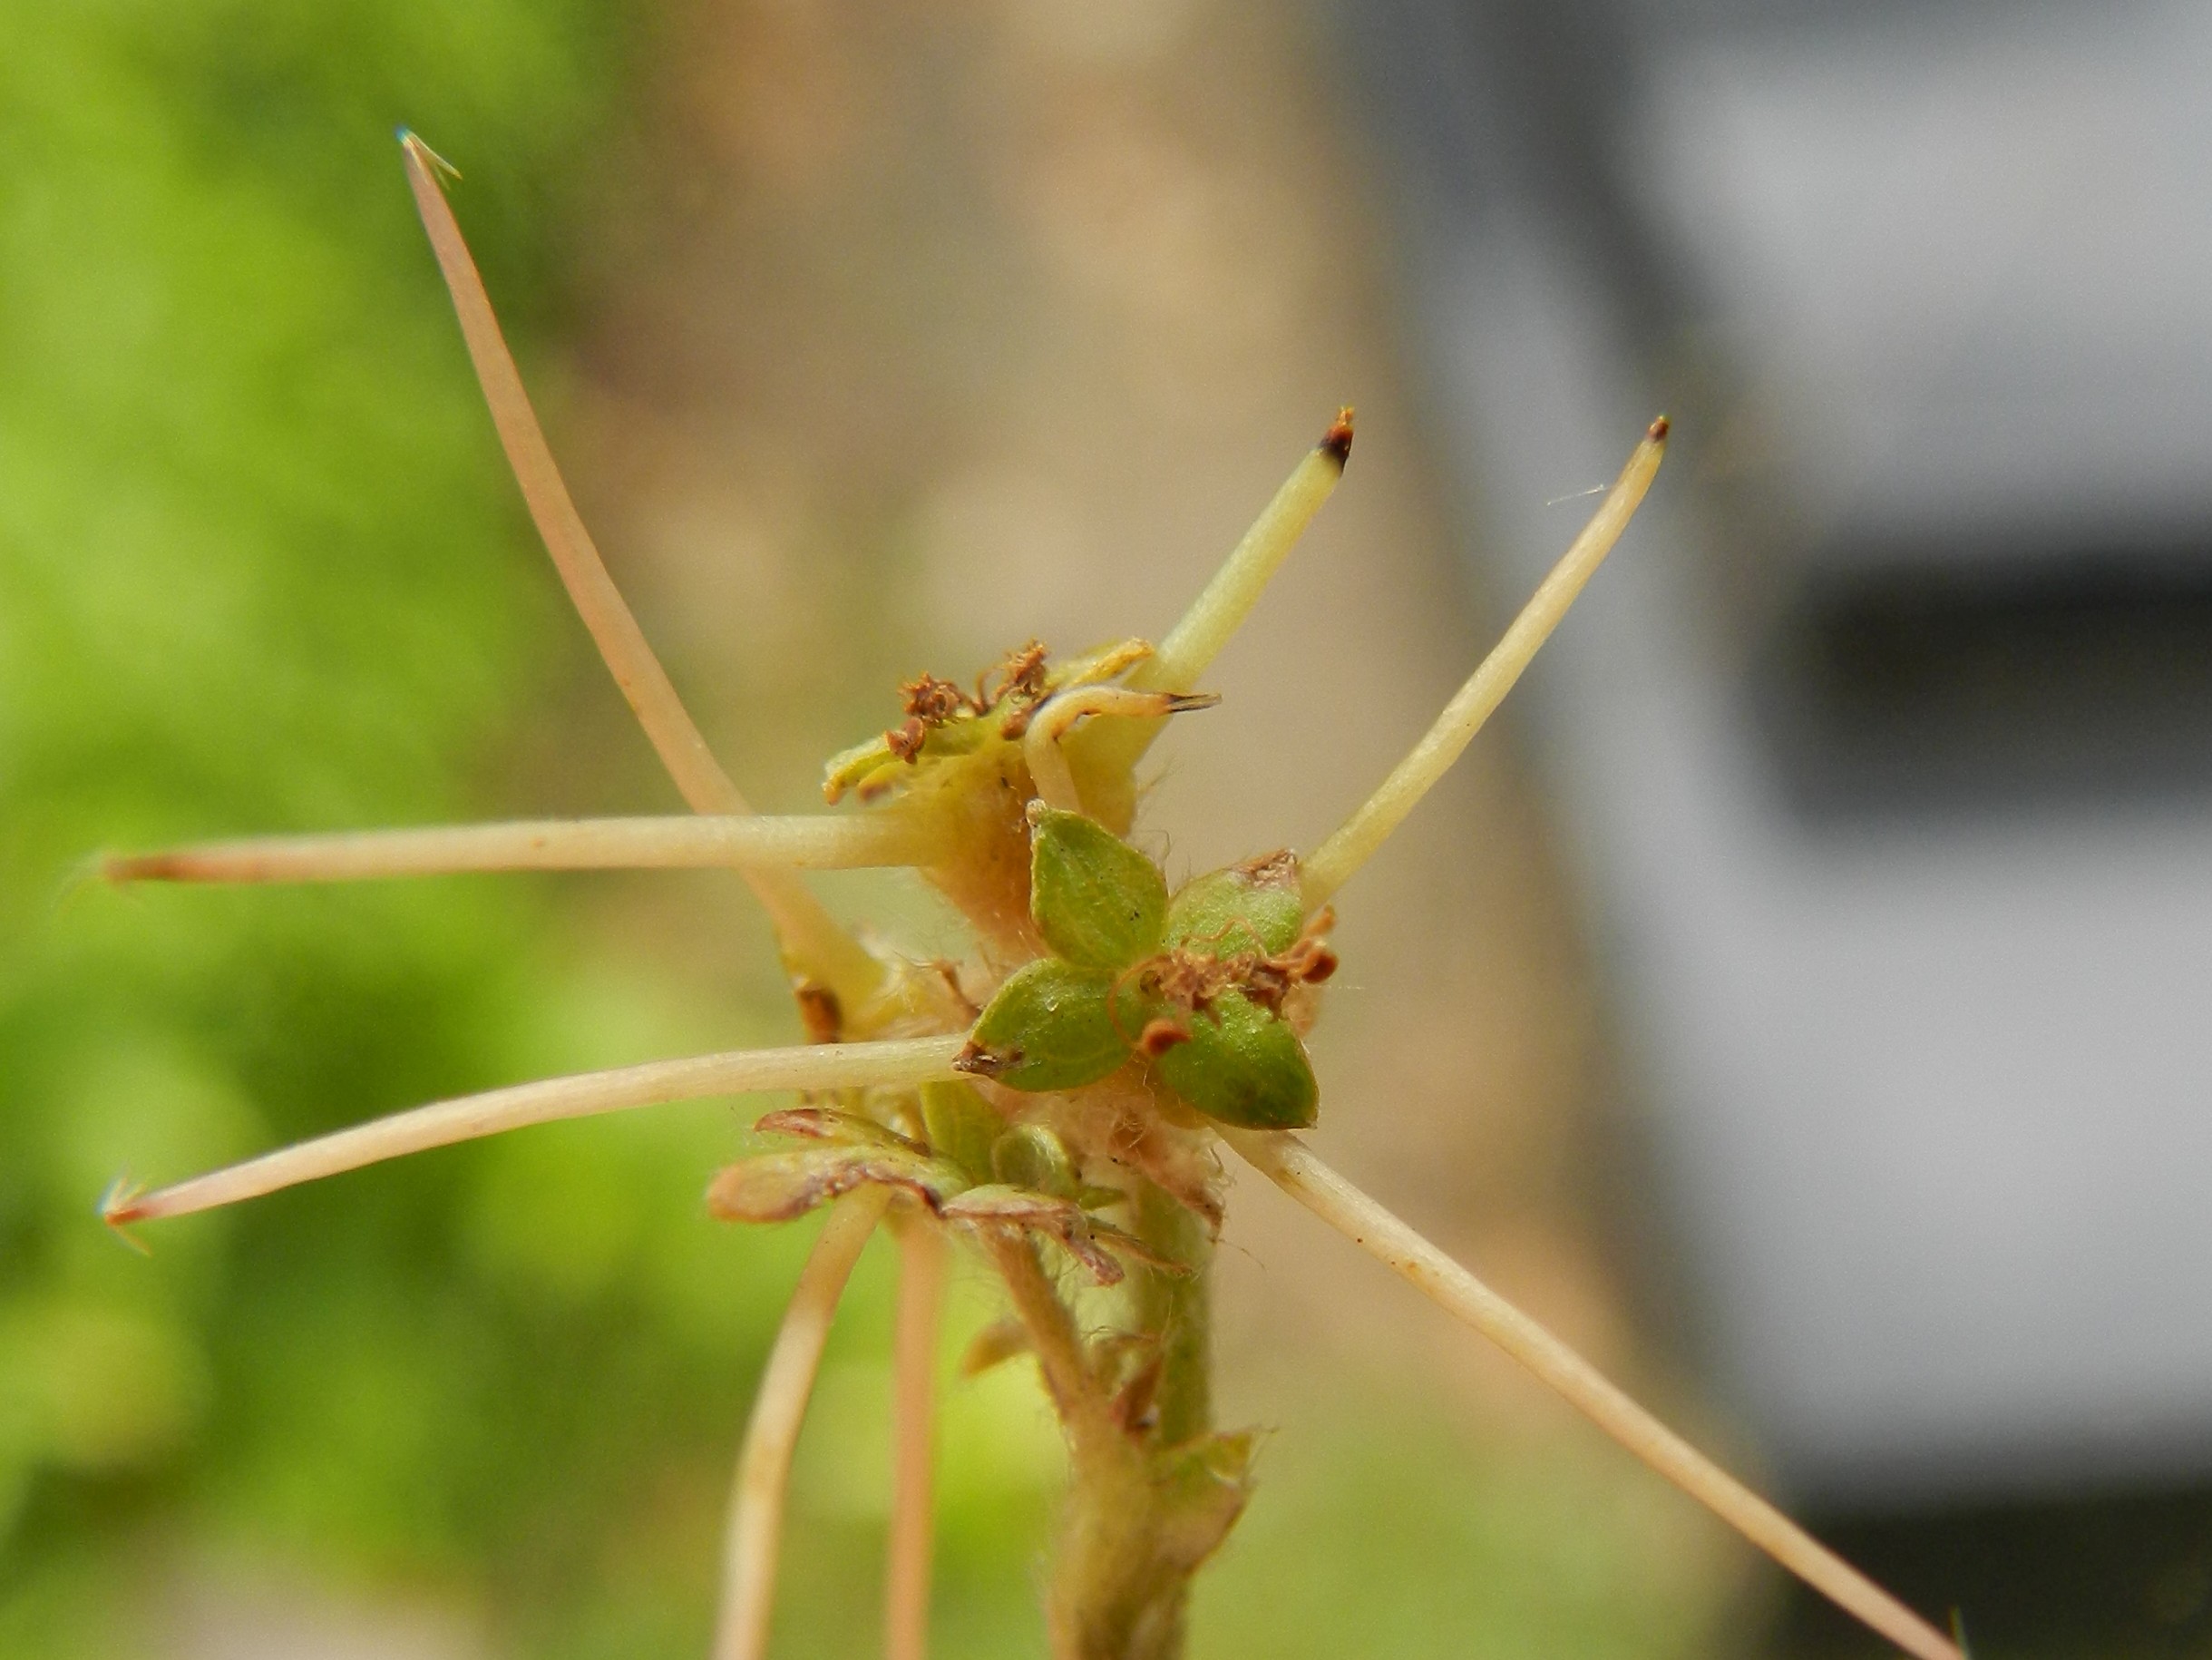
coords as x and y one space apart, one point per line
961 1127
1253 906
1098 901
1202 1487
1030 1156
1051 1027
1243 1066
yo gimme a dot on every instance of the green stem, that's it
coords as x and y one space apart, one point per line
1179 1310
1151 1489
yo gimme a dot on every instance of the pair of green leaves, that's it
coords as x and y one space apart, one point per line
1103 907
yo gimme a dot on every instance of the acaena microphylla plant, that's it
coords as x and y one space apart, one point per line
1059 1102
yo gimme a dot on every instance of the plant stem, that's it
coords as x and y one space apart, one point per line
1285 1161
1370 825
821 841
764 1463
1222 606
814 1066
1178 1309
921 1296
1068 1379
1220 609
811 938
1146 1502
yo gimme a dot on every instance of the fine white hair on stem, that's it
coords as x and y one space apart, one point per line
820 841
764 1463
1286 1161
814 1066
1333 862
913 1438
811 937
1058 716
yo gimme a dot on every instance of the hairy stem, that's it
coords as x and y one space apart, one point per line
1151 1491
1286 1161
811 940
913 1432
1333 862
1084 1411
1101 1586
764 1463
1176 1311
808 842
824 1066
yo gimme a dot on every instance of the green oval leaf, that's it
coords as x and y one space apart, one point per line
1098 901
1030 1156
1051 1027
1253 906
1243 1066
961 1127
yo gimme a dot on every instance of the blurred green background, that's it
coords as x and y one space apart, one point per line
260 567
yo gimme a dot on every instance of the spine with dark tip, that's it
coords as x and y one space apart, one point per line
1336 443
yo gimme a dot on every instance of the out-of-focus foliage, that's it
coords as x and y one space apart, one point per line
259 568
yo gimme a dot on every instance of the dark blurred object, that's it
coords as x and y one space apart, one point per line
2055 1580
1885 745
2082 678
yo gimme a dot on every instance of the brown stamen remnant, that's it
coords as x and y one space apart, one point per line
932 700
1021 678
1160 1035
1337 442
985 1063
820 1011
906 739
1193 979
929 702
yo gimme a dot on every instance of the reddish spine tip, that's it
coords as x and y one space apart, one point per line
143 867
1160 1035
983 1063
121 1204
1337 442
1657 430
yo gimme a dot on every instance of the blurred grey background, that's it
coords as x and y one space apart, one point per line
1884 754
